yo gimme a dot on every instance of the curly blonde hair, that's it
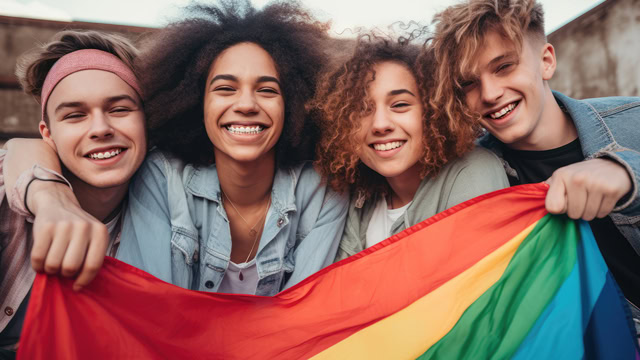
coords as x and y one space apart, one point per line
459 34
342 100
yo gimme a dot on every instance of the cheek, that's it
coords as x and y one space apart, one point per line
471 100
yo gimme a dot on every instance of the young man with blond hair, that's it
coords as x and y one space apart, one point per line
494 64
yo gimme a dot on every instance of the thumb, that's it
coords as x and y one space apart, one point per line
556 200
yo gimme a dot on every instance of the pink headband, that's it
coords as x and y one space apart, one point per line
86 59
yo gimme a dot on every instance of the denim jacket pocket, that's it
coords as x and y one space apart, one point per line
184 254
212 267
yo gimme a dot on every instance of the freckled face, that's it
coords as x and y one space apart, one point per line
391 135
244 104
96 125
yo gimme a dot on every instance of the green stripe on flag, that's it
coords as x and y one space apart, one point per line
495 325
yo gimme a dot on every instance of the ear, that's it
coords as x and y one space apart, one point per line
548 63
46 135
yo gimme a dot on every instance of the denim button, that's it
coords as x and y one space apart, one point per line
8 310
280 222
209 284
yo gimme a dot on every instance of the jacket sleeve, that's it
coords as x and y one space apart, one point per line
629 205
146 240
318 248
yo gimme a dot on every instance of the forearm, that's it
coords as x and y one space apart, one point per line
629 204
22 155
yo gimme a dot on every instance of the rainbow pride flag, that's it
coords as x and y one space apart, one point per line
495 277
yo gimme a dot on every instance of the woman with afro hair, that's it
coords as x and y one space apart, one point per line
226 202
382 143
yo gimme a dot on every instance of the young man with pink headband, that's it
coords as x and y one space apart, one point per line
92 117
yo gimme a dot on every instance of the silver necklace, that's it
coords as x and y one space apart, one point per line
252 230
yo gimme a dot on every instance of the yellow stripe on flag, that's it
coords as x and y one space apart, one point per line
408 333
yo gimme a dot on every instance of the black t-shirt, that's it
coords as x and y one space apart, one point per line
621 258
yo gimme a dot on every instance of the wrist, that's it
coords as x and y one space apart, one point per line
47 193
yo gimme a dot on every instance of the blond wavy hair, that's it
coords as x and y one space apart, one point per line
459 34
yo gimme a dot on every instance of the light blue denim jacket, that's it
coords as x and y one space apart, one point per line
176 229
608 128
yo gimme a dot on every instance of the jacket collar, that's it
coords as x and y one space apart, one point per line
588 123
203 182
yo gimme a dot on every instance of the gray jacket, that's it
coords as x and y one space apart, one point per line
477 173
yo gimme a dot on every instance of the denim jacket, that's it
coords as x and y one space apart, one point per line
608 128
176 229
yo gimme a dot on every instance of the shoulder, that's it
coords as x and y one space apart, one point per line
305 173
604 106
610 105
479 170
310 188
478 158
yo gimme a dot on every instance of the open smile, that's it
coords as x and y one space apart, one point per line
388 149
105 154
392 145
244 129
503 112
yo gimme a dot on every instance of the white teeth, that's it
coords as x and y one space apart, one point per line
239 129
503 111
388 146
105 155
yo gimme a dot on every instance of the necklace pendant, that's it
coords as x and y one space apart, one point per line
253 232
240 276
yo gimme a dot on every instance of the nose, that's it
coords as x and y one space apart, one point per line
381 122
491 90
246 103
100 126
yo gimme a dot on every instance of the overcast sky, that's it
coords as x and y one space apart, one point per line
344 14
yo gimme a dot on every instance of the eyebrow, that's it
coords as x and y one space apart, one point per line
499 58
229 77
72 104
117 98
109 100
400 91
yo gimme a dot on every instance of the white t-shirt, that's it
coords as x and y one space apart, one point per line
240 278
382 220
114 228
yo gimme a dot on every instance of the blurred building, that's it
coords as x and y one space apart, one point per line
598 52
597 55
19 113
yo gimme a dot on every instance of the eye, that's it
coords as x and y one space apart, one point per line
400 105
504 66
269 90
120 110
73 116
224 89
467 85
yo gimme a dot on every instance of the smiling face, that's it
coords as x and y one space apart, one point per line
243 104
509 89
391 135
97 131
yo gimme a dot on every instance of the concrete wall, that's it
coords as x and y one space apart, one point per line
598 53
19 113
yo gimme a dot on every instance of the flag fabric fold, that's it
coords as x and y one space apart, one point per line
494 277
